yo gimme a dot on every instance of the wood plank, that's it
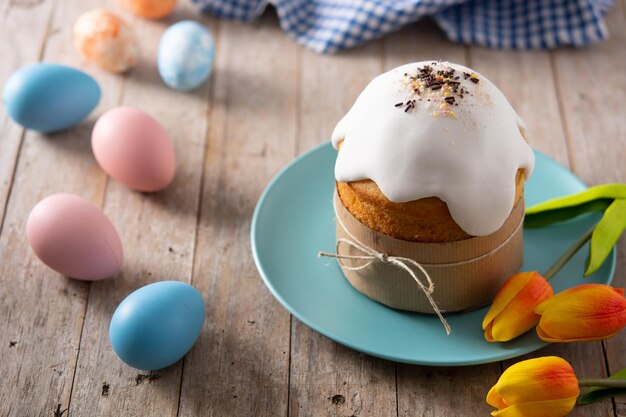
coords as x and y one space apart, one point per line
524 77
332 380
327 378
423 390
592 86
445 392
329 85
158 232
240 364
43 310
16 51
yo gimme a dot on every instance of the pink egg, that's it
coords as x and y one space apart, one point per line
106 40
134 149
73 237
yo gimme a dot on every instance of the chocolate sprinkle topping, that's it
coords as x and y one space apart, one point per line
439 86
409 105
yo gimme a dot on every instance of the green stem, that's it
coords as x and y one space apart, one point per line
602 382
571 251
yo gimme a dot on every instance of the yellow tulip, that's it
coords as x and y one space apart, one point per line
583 313
541 387
512 312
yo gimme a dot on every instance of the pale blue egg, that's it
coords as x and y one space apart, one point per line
157 325
186 53
50 97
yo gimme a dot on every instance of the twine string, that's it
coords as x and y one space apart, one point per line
371 255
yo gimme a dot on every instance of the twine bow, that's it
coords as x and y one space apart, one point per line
370 255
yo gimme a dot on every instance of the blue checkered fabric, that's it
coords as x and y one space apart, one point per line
328 26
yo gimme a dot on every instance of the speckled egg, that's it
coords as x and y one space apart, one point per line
50 97
72 236
156 325
133 148
106 40
150 9
185 57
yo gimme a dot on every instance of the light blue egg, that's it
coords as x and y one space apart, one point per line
185 58
157 325
50 97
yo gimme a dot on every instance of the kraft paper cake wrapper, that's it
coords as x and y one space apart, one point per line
466 274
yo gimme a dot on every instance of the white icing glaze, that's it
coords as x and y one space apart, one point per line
468 160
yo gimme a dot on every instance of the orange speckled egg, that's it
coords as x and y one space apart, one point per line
150 9
106 40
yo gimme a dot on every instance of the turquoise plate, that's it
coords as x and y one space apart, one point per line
294 220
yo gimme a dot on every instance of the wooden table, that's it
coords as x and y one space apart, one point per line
268 100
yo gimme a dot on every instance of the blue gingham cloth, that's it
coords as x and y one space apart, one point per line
328 26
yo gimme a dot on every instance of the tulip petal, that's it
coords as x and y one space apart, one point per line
550 408
505 294
579 288
554 339
540 379
489 333
584 313
518 316
495 400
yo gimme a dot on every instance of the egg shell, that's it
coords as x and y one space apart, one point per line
72 236
150 9
157 325
106 40
134 149
185 56
50 97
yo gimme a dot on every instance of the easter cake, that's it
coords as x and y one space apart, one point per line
431 166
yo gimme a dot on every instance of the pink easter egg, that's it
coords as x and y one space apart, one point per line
134 149
72 236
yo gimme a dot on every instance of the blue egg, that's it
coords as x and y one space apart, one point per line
157 325
185 56
50 97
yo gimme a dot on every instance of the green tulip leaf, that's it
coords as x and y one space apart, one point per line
564 208
611 191
548 217
595 394
606 234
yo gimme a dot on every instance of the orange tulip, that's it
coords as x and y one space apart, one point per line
541 387
512 312
583 313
